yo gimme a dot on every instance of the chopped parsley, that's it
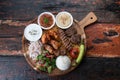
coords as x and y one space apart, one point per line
46 20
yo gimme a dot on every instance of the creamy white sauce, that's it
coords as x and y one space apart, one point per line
64 20
33 32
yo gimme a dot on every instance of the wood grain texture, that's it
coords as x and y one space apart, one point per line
16 68
10 46
106 10
15 15
103 40
100 42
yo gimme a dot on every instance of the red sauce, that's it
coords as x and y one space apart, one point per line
46 20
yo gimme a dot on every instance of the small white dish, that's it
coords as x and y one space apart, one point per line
46 27
33 32
64 20
63 62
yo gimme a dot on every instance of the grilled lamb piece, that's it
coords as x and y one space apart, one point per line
71 31
65 40
62 51
75 39
56 52
49 48
55 44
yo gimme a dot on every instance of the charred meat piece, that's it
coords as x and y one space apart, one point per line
69 46
75 39
55 44
63 52
45 38
71 31
48 48
53 34
65 40
56 52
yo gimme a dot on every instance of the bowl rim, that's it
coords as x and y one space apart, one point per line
27 28
38 20
70 17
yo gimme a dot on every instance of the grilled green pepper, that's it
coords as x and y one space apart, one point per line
81 53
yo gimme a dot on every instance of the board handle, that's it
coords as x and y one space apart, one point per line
90 18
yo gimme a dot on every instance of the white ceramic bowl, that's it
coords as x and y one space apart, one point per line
33 32
46 28
57 21
63 62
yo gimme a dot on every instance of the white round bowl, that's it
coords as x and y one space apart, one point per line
52 17
63 62
64 27
33 32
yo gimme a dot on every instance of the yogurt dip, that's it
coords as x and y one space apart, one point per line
33 32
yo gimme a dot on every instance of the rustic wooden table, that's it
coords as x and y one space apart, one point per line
102 59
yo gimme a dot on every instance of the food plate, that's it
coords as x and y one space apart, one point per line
75 31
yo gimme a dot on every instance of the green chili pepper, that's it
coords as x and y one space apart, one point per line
79 58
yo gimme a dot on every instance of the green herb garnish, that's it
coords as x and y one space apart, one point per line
39 57
43 69
49 69
46 20
47 64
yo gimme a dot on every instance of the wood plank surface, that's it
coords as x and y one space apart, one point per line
15 15
16 68
102 58
103 40
106 10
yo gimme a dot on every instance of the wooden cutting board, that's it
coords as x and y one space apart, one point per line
79 26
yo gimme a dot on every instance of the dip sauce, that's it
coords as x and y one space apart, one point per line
33 32
64 19
46 20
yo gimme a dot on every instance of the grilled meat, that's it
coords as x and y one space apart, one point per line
54 35
65 40
56 52
49 48
45 38
71 31
63 52
55 44
75 39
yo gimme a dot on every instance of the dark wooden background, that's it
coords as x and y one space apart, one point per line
102 59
